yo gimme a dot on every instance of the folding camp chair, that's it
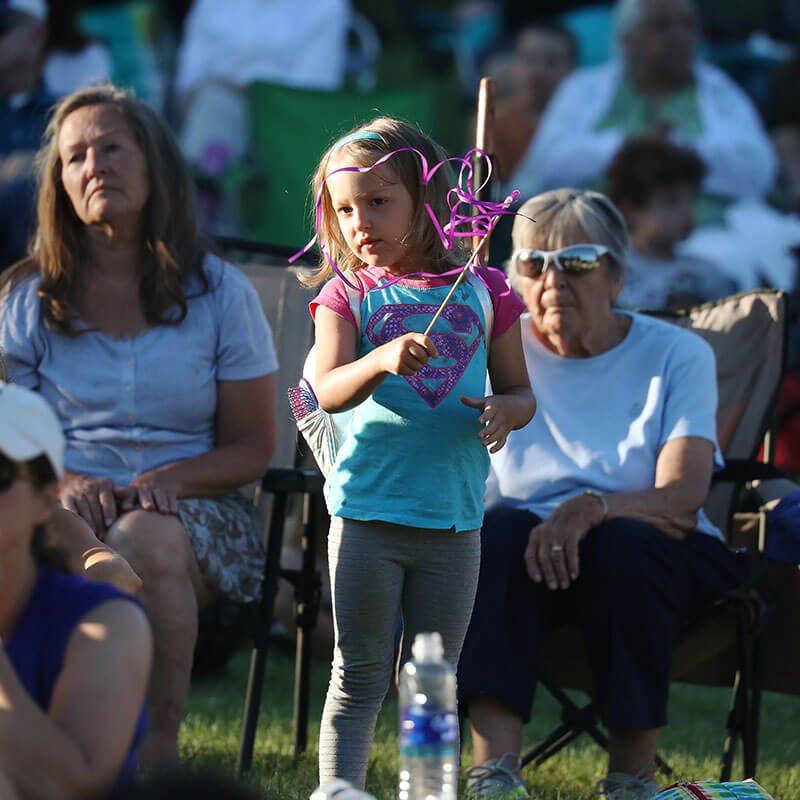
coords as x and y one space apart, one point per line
286 306
291 128
724 646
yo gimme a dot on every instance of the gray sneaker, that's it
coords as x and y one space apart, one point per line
622 786
497 778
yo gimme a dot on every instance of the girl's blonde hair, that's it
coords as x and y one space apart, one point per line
172 248
564 214
407 166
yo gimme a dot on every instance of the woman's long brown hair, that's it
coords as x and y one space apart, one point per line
172 250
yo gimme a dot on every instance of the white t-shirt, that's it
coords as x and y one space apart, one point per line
657 283
601 421
65 72
303 45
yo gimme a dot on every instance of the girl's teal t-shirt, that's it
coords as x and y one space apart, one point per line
412 455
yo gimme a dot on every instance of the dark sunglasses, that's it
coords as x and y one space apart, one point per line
8 472
576 259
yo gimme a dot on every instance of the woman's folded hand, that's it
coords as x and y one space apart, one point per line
552 552
153 491
92 499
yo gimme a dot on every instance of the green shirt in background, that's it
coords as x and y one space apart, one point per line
633 113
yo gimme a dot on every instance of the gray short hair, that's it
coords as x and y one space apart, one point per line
571 214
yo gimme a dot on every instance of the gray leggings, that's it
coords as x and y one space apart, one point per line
378 571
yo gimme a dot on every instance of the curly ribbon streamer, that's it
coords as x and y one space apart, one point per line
478 220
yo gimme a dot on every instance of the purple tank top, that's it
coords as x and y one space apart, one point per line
37 644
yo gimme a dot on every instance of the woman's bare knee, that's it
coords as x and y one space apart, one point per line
146 537
158 548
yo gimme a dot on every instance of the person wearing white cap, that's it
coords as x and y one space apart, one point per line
71 650
29 428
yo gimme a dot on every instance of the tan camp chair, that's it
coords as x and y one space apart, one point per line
723 647
289 493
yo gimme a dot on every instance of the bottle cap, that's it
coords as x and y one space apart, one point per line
428 647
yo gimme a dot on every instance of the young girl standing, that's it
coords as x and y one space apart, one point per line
406 491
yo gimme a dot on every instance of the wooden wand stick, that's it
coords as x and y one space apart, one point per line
483 141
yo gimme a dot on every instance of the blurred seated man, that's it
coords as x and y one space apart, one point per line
654 184
656 86
24 104
544 53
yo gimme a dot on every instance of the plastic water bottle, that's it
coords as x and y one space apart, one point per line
428 730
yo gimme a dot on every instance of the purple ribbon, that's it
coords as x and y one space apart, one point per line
477 221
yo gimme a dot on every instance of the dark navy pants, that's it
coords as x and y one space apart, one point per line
636 586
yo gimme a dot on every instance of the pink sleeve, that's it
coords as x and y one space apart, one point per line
334 296
507 306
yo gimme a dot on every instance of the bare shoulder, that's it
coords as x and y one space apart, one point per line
115 623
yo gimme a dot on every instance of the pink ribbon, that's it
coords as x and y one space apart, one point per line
478 220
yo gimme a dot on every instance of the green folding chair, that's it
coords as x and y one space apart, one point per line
291 128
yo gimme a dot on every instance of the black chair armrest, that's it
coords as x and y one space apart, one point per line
300 479
742 470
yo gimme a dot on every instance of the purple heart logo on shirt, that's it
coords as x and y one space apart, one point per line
456 348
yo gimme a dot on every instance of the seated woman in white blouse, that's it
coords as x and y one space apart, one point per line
159 362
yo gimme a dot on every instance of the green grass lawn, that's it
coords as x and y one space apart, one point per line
691 743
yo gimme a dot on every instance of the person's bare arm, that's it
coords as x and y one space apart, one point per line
76 747
512 404
87 556
683 477
7 790
342 381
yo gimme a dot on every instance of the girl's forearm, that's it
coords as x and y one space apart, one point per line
346 386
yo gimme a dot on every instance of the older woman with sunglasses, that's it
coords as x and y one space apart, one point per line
74 655
595 506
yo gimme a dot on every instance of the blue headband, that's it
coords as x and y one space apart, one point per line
355 136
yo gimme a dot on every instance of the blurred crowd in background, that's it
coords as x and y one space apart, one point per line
686 113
